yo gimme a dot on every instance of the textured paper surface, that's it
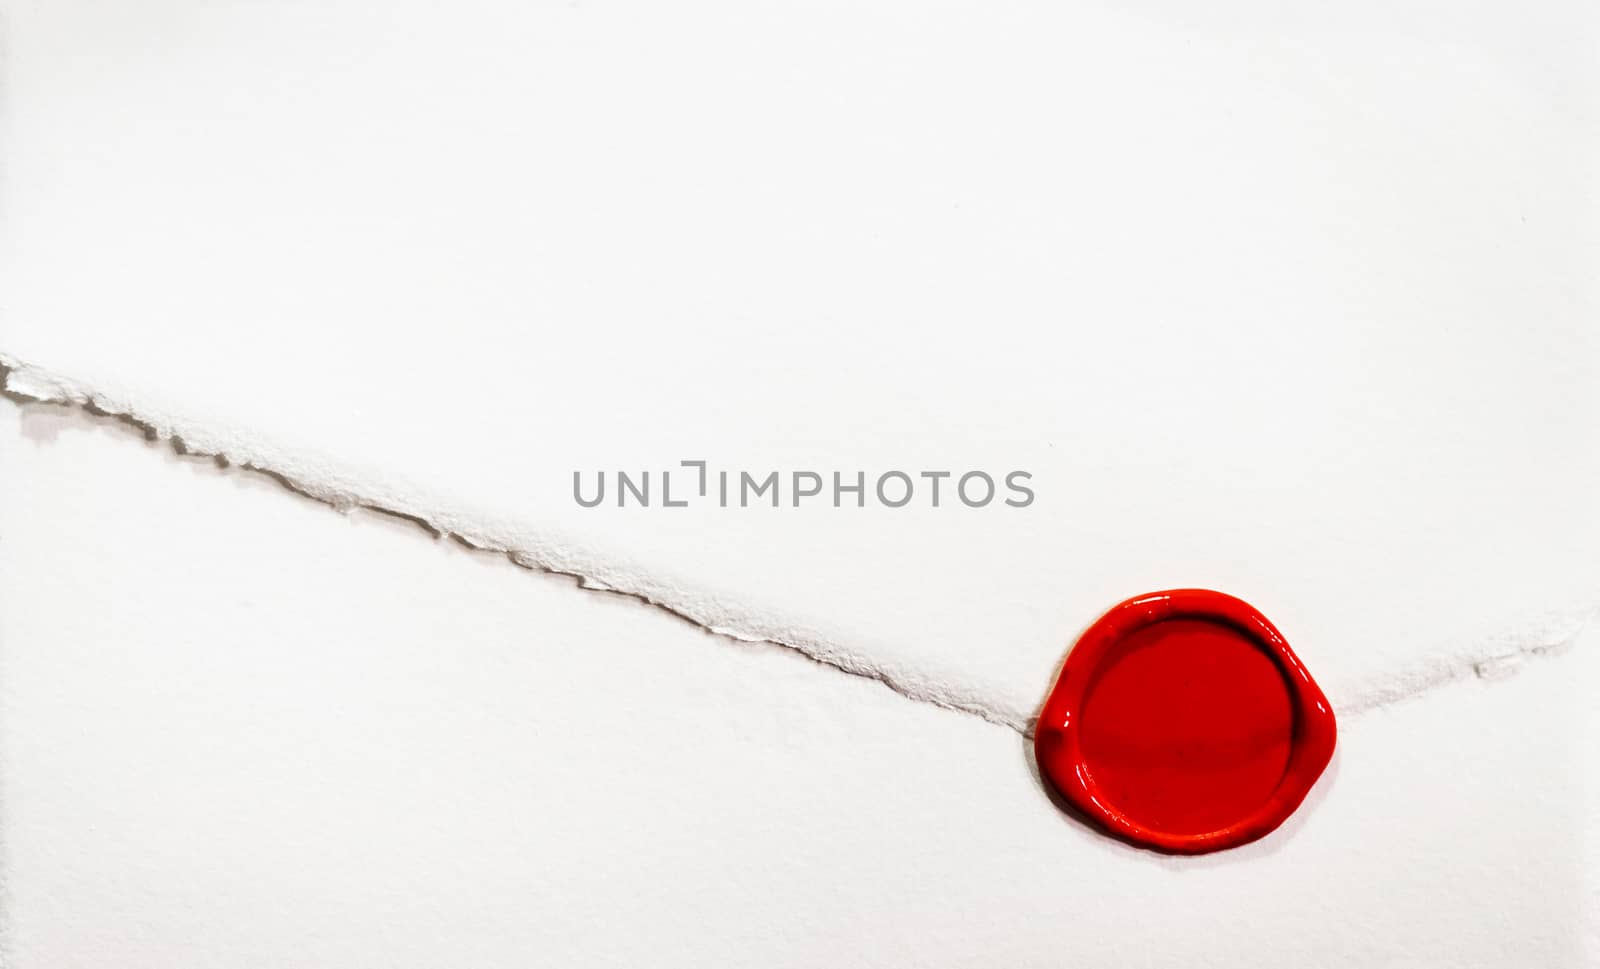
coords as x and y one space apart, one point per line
239 731
1294 304
1487 654
1301 313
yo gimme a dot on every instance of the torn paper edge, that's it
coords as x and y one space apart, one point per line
1495 657
323 481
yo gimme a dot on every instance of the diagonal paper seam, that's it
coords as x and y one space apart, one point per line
322 480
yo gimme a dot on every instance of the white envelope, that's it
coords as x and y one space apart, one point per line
1294 304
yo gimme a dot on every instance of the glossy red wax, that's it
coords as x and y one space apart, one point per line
1183 721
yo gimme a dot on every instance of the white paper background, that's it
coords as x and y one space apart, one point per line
1299 305
239 731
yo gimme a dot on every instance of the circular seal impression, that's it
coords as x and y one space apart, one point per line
1183 721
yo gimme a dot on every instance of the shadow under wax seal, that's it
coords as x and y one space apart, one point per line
1182 721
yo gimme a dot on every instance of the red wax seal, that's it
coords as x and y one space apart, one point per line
1183 721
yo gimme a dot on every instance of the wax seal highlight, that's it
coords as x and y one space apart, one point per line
1184 722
